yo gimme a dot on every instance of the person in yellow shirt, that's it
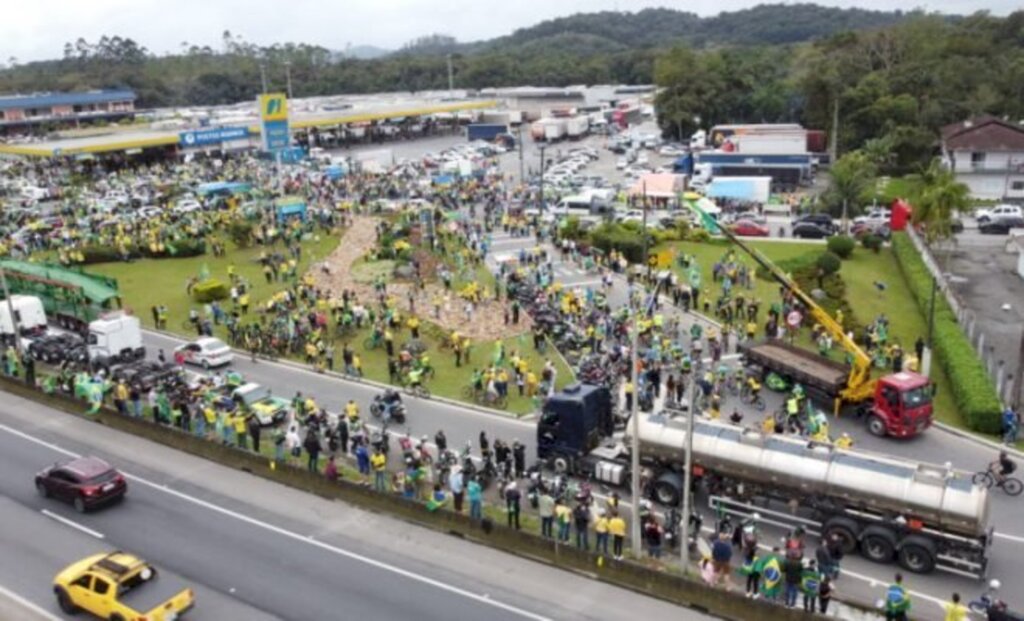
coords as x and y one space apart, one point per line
601 530
352 410
844 442
379 463
121 398
768 424
531 384
210 415
617 529
563 517
357 365
628 391
955 611
239 423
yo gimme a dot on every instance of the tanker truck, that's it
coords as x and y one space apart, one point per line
922 516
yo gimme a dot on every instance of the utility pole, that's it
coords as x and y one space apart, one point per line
833 149
1018 389
451 79
926 364
288 76
634 450
684 542
522 169
542 204
263 75
643 231
15 324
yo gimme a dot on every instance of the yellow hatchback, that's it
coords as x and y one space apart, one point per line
120 587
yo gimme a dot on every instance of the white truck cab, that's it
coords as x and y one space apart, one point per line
115 338
28 311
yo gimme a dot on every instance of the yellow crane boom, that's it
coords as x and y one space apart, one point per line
860 385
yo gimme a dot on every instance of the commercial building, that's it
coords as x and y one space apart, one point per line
22 114
987 155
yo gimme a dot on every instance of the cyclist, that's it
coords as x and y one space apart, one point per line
739 377
478 381
415 378
1002 467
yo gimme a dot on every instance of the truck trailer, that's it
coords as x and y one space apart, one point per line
923 516
487 132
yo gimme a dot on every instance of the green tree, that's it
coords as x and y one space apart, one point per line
937 197
852 180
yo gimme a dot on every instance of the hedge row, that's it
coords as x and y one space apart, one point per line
972 388
178 249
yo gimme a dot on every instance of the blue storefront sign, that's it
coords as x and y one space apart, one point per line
275 135
202 137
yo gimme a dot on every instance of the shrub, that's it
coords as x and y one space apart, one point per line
972 388
209 290
841 245
828 263
109 254
240 232
610 237
872 242
698 235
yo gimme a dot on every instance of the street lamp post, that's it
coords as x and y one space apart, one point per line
684 527
288 76
263 76
542 204
15 327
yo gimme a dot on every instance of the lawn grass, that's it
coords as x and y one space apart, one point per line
860 273
149 282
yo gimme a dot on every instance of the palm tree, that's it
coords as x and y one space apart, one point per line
937 197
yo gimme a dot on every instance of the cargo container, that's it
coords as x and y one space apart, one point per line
577 126
487 132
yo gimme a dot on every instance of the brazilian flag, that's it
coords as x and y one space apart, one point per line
771 576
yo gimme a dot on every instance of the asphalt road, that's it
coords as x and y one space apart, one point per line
255 550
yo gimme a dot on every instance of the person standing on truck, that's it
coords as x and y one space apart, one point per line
897 600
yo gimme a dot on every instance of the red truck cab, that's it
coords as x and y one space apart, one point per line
902 406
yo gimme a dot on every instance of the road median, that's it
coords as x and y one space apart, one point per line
638 577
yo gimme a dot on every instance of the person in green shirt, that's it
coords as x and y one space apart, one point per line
897 600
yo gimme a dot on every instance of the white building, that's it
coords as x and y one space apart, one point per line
987 155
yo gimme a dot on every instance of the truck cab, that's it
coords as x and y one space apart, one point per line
572 424
115 338
902 406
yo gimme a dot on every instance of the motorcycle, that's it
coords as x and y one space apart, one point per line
380 408
991 606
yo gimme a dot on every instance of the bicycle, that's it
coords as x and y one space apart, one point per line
753 398
986 478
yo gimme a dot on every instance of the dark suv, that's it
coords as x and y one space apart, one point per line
85 482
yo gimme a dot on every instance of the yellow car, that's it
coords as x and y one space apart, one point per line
120 587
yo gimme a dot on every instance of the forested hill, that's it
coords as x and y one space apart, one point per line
584 48
763 24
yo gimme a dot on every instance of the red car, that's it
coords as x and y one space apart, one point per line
86 483
749 228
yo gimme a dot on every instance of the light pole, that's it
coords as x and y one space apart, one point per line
263 75
15 327
542 204
288 76
451 79
684 527
522 169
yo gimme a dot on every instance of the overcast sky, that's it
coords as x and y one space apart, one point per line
38 29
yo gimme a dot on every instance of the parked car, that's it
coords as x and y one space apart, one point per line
85 482
877 215
997 212
810 230
1001 226
822 220
749 228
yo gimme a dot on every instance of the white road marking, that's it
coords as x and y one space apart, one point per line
39 610
72 524
1013 538
295 536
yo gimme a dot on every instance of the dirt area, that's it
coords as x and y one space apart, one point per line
487 320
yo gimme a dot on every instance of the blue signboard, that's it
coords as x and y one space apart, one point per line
275 135
217 135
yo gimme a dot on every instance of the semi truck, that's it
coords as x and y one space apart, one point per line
487 132
755 189
71 298
922 516
576 127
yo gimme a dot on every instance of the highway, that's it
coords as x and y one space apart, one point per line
255 550
865 579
